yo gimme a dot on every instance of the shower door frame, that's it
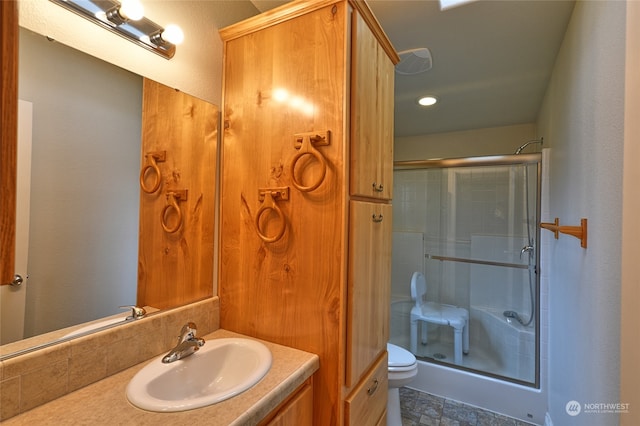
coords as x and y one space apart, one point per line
496 160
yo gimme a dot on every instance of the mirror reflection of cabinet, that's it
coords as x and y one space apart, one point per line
176 242
115 185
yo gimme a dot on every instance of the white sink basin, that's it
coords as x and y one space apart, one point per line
221 369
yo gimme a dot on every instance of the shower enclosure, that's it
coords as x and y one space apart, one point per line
470 226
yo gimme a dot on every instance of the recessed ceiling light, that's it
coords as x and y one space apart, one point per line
427 100
448 4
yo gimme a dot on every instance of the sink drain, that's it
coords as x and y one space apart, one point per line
438 355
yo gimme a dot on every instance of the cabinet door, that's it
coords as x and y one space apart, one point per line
366 405
372 76
369 286
297 411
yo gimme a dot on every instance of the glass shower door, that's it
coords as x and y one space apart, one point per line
471 232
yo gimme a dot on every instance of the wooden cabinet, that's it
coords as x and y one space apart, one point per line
9 138
369 286
295 260
367 404
372 115
297 410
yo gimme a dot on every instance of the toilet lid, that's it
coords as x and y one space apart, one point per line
399 357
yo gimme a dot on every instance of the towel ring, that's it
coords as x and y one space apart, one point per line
152 160
268 203
172 204
306 142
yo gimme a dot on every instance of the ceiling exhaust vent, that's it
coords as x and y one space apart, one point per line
414 61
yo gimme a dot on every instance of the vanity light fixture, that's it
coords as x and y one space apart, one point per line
127 20
128 10
427 101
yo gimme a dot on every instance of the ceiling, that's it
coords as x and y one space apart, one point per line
491 60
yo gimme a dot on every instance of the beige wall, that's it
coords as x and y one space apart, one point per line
195 69
630 340
582 120
469 143
86 137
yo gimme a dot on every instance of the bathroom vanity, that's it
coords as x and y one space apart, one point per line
283 396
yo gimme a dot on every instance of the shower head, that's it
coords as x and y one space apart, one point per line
527 143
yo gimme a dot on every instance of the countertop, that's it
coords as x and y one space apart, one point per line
105 402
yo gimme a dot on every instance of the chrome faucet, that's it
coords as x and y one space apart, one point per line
136 312
188 343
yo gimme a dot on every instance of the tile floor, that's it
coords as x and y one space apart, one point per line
423 409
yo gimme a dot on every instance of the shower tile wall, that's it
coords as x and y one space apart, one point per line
497 287
408 255
451 208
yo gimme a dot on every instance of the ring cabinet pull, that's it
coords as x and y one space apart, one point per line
152 159
172 205
377 218
377 188
268 196
305 144
373 387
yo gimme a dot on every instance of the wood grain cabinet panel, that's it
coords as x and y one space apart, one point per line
370 227
288 291
368 402
285 226
372 115
382 421
175 268
297 410
9 139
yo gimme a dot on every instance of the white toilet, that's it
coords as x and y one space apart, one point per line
402 369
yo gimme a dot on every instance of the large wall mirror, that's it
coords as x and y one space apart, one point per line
81 227
78 197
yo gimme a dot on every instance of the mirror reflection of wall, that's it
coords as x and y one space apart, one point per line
82 261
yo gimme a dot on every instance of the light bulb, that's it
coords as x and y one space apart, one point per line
173 34
131 9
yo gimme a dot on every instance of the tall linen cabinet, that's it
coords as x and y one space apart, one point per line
305 224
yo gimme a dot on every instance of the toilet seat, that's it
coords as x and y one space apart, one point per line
402 369
400 359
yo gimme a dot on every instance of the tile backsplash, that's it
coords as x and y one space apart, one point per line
35 378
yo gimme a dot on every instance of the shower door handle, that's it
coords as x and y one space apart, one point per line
526 249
